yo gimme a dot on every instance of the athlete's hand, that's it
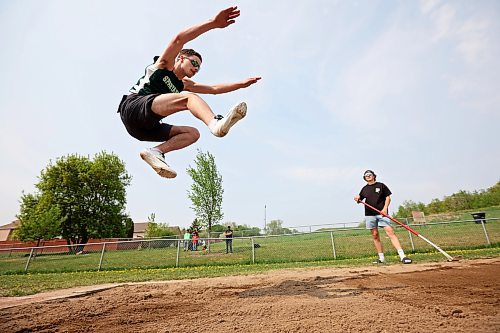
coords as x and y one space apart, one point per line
356 198
226 17
248 82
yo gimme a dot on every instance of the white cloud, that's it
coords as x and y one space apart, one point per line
428 5
473 41
443 17
469 32
387 69
472 36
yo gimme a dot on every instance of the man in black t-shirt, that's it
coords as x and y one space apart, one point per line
229 239
158 94
378 195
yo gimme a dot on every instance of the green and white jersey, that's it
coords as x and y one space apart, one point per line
157 81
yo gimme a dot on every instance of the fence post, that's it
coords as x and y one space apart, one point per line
253 251
486 233
411 241
410 236
333 246
29 259
102 256
179 252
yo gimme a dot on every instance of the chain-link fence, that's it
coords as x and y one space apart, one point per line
306 246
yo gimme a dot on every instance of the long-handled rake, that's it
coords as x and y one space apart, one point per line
450 258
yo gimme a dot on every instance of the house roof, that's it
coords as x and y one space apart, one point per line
141 228
12 225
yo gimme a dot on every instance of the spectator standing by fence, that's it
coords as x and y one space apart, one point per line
194 240
229 239
378 195
187 240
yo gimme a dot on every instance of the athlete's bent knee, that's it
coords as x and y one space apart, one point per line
194 134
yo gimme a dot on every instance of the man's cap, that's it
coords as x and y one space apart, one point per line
369 172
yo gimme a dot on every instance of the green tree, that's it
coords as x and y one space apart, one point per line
195 225
37 221
462 200
206 191
435 206
492 196
408 206
275 227
158 230
238 230
129 226
89 196
247 231
218 228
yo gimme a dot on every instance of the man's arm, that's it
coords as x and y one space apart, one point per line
190 85
360 197
223 19
385 210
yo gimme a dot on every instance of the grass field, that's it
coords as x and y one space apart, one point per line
157 261
347 244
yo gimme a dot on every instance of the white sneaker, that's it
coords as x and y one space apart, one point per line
224 124
157 161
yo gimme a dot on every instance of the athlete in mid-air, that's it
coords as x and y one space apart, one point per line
159 94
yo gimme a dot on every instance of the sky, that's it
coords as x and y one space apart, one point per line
409 89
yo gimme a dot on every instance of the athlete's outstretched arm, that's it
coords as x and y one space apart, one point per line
190 85
222 20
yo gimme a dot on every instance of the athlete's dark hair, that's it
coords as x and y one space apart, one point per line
186 52
190 52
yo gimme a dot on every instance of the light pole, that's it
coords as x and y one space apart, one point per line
265 222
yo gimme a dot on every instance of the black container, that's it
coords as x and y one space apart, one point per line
479 217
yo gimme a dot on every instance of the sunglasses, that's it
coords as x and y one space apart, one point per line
369 175
194 63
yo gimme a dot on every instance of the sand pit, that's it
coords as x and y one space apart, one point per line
450 297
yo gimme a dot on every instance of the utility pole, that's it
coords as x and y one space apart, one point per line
265 222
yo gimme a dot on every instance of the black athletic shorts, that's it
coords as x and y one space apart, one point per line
140 121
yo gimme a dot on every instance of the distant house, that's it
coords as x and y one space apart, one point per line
140 230
7 231
418 217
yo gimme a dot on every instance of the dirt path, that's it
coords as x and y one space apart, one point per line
442 297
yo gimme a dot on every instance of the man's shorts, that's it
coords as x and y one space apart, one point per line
373 222
140 121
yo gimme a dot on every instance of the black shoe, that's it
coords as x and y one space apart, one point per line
378 261
406 260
